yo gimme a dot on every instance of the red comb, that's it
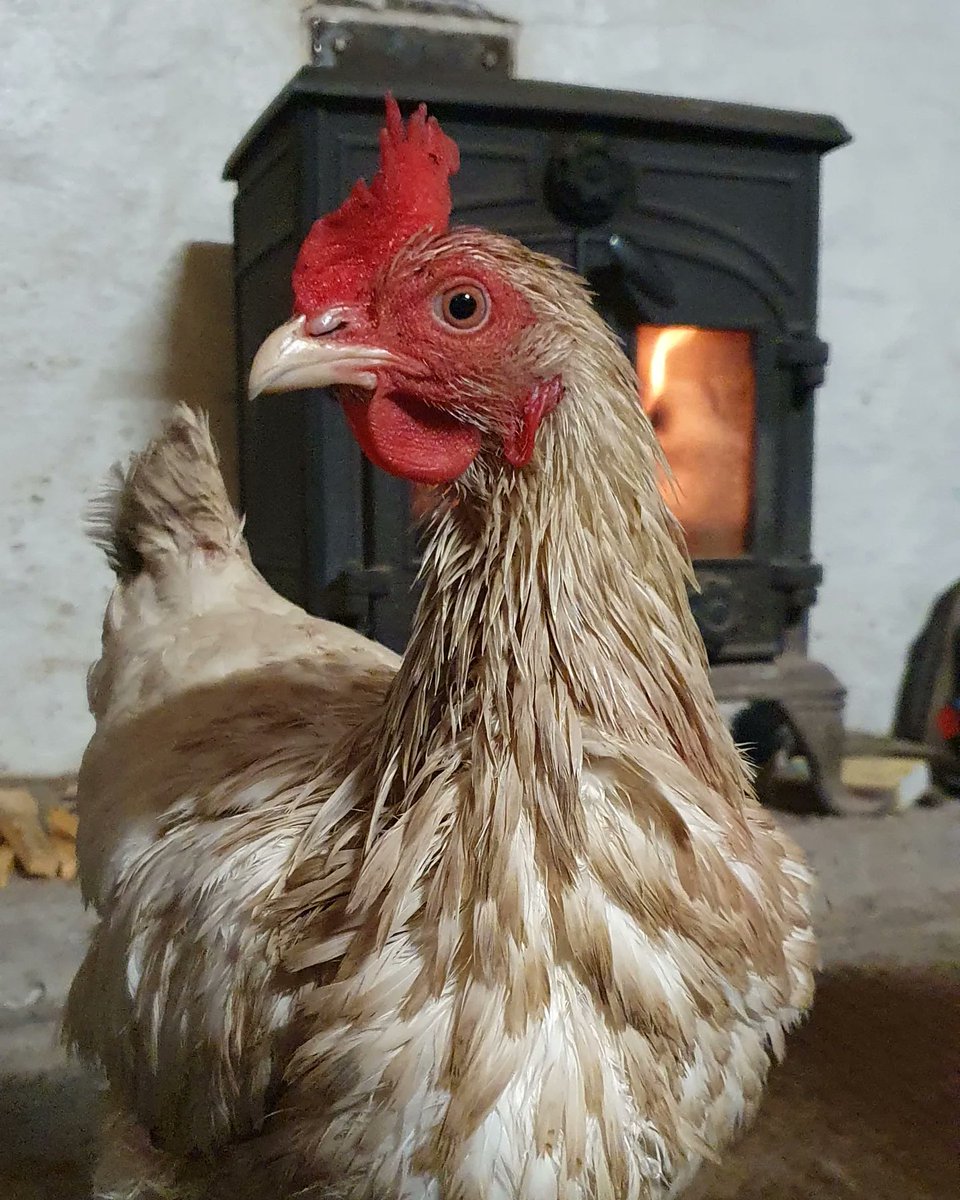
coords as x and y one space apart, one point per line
409 192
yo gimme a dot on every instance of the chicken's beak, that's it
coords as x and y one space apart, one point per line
308 354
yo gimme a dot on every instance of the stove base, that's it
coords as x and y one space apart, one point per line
811 701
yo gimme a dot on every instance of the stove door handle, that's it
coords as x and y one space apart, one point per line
642 275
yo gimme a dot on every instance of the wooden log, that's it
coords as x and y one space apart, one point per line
61 822
66 852
7 860
901 783
22 829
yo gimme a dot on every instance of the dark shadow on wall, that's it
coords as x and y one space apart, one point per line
200 362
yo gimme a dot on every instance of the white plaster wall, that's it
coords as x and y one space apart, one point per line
116 117
115 120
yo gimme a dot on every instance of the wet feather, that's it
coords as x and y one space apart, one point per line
501 918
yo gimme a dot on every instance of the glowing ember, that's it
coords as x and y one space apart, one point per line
698 388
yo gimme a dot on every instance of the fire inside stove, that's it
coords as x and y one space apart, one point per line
698 387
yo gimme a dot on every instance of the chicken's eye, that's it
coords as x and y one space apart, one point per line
464 307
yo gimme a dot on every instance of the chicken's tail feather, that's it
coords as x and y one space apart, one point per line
171 500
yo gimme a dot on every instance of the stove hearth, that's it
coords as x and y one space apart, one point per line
697 225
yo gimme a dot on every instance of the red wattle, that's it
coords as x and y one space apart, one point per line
542 399
404 437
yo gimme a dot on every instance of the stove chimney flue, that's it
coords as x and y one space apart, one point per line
436 40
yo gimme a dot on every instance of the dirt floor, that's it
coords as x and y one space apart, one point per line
867 1106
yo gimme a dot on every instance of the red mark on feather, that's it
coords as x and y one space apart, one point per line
409 193
544 397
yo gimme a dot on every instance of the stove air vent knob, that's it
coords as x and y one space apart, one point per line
586 181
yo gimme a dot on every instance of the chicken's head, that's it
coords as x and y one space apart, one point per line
423 332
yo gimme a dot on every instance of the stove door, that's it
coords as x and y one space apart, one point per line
705 325
702 262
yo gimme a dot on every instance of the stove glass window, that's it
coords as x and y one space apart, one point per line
699 389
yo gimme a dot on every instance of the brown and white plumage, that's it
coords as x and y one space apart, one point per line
501 921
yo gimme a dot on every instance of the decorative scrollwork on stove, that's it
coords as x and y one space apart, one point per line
716 609
596 196
676 216
493 175
662 246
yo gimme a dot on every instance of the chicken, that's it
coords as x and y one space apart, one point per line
499 921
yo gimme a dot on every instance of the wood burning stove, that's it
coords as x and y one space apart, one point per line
697 225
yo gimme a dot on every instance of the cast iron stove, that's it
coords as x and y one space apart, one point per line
696 223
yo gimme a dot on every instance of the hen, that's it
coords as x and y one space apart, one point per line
499 921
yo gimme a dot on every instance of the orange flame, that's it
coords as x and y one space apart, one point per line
697 387
666 341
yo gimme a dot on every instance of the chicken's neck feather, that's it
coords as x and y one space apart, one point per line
554 607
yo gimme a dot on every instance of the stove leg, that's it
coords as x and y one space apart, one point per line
810 701
819 734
